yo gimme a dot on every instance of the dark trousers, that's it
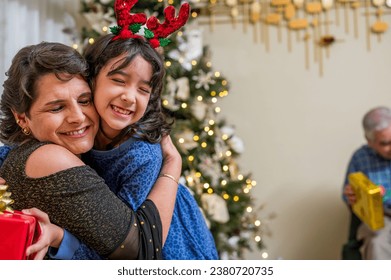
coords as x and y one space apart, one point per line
351 249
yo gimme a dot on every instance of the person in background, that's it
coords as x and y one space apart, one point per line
374 160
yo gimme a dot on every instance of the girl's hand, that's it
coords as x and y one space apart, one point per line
51 234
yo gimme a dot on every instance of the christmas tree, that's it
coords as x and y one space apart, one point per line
208 145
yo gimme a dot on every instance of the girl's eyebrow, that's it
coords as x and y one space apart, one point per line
113 72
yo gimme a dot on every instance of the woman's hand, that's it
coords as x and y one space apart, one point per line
51 234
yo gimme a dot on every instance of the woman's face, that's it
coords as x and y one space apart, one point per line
63 113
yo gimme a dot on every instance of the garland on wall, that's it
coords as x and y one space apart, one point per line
312 23
208 145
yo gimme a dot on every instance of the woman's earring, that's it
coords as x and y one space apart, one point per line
18 121
26 130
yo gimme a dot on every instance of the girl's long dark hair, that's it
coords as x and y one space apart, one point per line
155 123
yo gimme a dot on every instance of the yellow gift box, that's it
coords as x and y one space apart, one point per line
369 203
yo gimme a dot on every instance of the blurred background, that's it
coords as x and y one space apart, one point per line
268 107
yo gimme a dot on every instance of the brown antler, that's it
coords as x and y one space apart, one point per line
125 19
170 24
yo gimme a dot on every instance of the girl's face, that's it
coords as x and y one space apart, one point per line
122 97
63 113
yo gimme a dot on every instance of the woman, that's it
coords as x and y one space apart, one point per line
47 114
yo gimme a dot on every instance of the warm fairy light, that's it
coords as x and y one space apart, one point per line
91 41
249 209
206 128
165 102
228 153
217 74
190 158
194 14
265 255
105 28
236 198
168 63
211 122
210 132
225 196
198 174
180 33
204 145
212 93
194 62
240 177
224 182
210 191
223 93
246 190
214 99
257 223
199 98
170 2
224 82
253 183
209 64
181 140
190 180
206 185
184 105
248 181
225 168
160 1
196 138
224 137
181 60
75 46
257 238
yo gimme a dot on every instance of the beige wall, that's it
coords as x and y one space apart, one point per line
300 129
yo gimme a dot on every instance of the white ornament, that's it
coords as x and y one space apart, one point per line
216 207
183 88
236 144
187 143
204 80
228 130
199 110
189 47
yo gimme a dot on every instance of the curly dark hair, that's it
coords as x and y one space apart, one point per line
27 67
155 123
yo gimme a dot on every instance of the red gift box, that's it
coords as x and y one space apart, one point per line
17 232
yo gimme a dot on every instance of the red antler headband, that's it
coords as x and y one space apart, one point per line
155 32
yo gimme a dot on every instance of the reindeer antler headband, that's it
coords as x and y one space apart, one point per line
129 25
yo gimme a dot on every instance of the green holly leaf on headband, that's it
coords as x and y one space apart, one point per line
115 30
164 41
148 34
135 27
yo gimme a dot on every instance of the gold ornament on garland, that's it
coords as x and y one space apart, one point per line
310 20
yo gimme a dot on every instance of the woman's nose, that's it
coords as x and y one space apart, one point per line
76 115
